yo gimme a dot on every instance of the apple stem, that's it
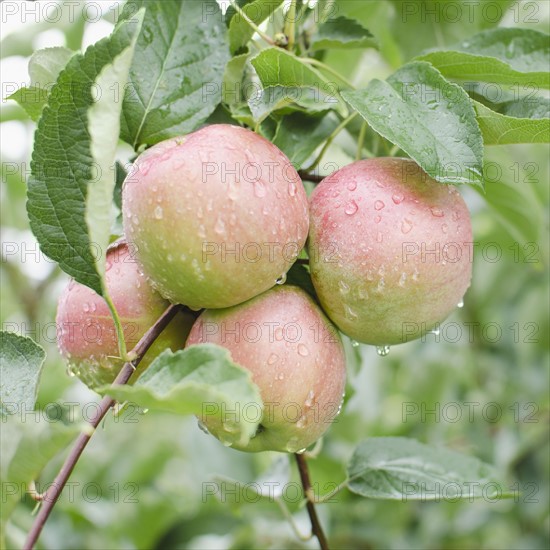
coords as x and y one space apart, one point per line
316 527
51 496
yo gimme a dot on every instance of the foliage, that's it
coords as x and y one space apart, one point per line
440 86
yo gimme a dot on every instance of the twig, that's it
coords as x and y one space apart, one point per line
290 24
329 141
302 261
308 493
253 25
51 496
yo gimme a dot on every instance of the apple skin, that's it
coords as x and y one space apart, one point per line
373 224
296 358
209 237
85 329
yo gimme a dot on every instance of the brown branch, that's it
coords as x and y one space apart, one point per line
302 261
316 527
51 496
315 178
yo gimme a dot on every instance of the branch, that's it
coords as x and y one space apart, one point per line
316 528
51 496
315 178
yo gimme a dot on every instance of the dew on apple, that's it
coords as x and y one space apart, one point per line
351 208
378 205
406 226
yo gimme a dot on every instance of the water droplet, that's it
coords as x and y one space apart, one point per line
350 314
444 228
454 216
377 219
202 426
291 445
415 274
158 213
302 422
344 288
406 226
281 280
279 334
437 212
398 198
272 359
351 208
436 331
352 185
292 188
86 307
259 189
402 279
219 228
382 350
354 343
71 371
379 237
302 350
378 205
310 399
460 304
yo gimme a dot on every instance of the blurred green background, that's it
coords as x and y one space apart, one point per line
144 480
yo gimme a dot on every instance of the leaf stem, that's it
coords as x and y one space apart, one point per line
290 519
253 25
290 25
361 141
316 527
328 69
329 141
51 496
118 328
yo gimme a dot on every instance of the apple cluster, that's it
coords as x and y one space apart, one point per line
217 218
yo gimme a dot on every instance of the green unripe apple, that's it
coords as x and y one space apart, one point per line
217 216
85 329
296 358
390 250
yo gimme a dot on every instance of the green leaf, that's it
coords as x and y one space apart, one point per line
70 189
232 86
288 98
429 118
514 205
44 68
398 468
177 71
201 380
21 362
342 33
25 448
504 55
525 122
276 67
240 31
298 135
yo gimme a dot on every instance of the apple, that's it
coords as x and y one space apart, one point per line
390 250
85 329
217 216
296 358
